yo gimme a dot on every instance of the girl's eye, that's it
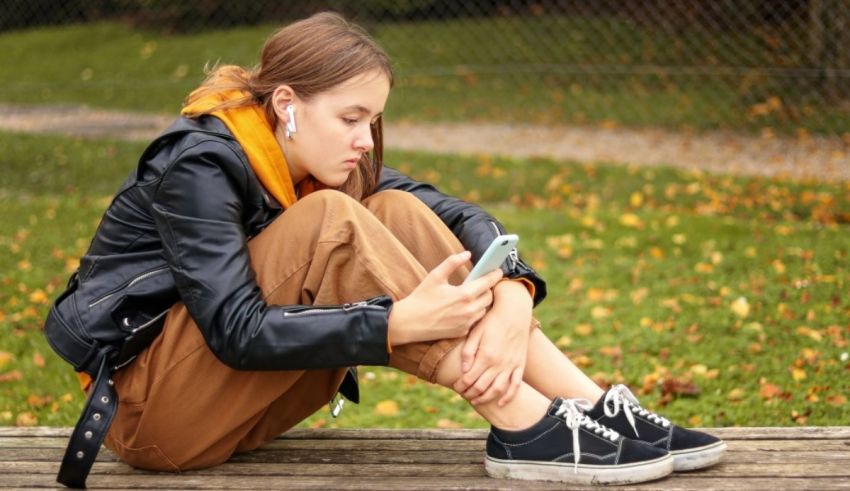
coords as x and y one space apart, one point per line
349 121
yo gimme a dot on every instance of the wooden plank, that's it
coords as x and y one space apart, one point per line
789 467
407 445
732 433
406 451
191 481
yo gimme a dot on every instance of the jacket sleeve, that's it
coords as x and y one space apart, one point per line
474 227
198 207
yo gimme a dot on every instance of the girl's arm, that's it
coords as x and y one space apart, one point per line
474 227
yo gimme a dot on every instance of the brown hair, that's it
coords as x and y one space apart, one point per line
311 56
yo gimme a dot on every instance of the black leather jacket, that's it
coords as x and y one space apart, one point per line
177 230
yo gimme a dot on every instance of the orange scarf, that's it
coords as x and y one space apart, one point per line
254 133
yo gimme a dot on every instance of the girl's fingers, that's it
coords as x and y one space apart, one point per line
516 380
470 347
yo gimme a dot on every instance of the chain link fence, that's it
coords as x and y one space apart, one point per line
745 65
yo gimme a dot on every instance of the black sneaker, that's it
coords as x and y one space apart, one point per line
620 410
567 446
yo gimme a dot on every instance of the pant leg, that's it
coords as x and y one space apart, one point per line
181 408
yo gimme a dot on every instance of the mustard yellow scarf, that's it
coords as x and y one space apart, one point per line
252 130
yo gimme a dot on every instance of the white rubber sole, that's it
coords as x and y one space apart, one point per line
698 458
585 474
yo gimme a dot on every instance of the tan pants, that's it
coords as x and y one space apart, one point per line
181 408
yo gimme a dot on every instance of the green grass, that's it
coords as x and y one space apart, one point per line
111 65
644 268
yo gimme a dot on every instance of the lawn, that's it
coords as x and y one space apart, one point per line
601 70
720 300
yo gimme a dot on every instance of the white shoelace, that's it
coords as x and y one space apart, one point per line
621 396
572 411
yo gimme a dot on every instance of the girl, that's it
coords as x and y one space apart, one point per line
265 240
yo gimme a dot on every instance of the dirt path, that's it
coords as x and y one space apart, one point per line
805 157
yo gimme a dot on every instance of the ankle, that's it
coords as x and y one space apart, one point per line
524 411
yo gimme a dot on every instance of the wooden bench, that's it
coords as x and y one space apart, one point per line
372 459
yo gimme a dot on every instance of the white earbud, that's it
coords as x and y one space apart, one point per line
291 129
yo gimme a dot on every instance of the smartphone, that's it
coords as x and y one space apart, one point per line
494 256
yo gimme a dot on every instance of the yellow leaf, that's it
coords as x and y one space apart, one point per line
66 397
704 268
71 264
735 395
679 239
564 342
38 360
699 369
811 333
695 420
778 266
750 252
387 408
448 424
798 374
38 297
26 419
24 265
741 307
582 361
600 312
630 220
636 199
584 329
5 358
595 294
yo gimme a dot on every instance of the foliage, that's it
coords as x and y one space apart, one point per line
510 77
720 300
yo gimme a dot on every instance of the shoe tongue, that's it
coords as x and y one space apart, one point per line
553 408
599 408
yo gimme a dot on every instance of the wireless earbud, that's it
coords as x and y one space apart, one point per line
291 129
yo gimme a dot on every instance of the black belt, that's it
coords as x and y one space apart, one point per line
102 403
91 428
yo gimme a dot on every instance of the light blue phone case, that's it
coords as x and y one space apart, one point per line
494 256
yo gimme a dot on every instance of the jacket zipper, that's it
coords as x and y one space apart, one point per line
128 285
148 323
331 310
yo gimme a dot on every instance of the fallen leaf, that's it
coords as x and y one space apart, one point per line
5 358
448 424
26 419
735 395
584 329
564 342
38 360
741 307
836 400
13 376
387 408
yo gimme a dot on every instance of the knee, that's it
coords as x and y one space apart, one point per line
394 200
328 198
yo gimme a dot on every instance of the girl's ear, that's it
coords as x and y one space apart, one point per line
282 97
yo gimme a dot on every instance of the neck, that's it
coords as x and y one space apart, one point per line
294 174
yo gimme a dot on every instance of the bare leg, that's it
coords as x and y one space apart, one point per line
553 374
524 410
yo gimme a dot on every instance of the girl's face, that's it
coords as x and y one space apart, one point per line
333 128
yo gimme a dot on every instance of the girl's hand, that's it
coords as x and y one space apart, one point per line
494 355
438 310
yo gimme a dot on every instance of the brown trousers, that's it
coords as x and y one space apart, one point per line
181 408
